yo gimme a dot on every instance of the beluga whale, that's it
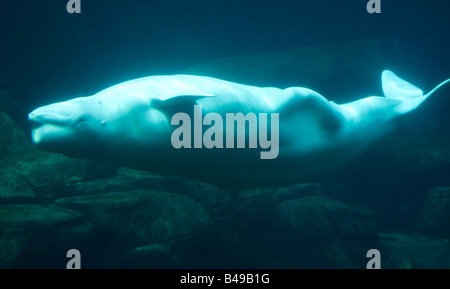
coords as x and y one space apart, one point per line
220 132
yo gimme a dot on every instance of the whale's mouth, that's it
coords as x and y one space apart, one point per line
48 126
41 118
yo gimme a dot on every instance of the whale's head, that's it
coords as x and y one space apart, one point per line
99 126
57 127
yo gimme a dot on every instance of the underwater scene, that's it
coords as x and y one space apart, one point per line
231 134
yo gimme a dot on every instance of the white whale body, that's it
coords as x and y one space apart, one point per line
130 125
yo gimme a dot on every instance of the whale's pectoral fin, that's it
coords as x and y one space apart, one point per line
409 95
179 103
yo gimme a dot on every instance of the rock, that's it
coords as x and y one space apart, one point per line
13 186
239 200
33 173
309 232
36 236
12 138
27 217
405 251
322 68
129 179
191 251
396 176
435 214
216 199
293 227
140 217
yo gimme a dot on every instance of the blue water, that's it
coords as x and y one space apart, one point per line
48 55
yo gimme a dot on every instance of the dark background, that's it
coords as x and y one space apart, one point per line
49 55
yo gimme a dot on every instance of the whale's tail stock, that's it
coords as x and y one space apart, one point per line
411 97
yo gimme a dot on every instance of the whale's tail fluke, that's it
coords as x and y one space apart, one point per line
410 96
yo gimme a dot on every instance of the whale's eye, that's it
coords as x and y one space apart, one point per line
81 121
